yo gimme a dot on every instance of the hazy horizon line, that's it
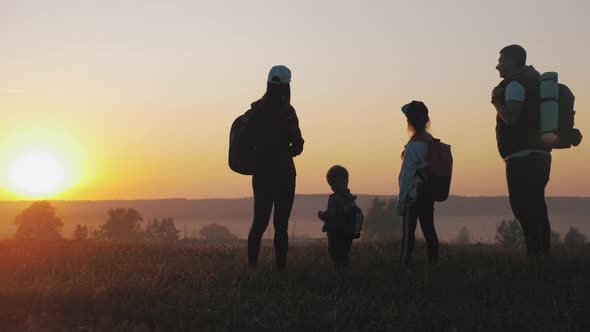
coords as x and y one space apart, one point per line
246 197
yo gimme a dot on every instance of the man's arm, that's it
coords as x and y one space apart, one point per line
509 111
509 102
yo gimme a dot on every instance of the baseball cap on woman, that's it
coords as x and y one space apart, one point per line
279 74
415 109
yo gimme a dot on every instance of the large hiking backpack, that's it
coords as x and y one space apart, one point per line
241 146
440 167
557 114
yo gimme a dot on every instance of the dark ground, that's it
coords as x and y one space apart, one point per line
88 286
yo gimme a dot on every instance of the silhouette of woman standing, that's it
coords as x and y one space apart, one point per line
277 139
415 201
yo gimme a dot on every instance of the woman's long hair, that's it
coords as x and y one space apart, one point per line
419 124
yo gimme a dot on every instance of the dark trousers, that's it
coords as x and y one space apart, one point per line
423 211
339 245
268 194
527 178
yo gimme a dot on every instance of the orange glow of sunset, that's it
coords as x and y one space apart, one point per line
40 164
134 100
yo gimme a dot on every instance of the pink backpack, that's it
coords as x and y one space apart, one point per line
440 167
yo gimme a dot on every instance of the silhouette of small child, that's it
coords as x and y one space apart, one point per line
335 224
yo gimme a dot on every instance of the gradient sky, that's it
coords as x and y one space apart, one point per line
141 94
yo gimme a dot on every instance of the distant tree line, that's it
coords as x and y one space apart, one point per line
509 233
40 221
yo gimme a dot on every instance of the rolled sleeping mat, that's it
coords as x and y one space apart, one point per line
549 108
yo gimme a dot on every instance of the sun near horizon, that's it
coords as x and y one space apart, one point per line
40 164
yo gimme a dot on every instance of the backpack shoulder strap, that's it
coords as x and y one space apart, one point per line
349 201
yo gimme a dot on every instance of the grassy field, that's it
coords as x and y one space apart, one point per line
87 286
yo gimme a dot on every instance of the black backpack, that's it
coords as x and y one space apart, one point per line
568 135
354 218
241 146
560 135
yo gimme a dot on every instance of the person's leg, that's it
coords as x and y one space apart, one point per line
540 221
521 197
340 247
546 229
332 247
527 178
542 166
426 216
339 250
284 196
346 247
262 209
408 236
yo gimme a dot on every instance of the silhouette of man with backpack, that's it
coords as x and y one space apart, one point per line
518 134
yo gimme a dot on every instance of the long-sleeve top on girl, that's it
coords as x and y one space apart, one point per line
414 164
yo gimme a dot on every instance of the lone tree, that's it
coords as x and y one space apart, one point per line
164 230
152 230
81 233
509 233
463 236
216 232
38 222
168 231
122 224
574 236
